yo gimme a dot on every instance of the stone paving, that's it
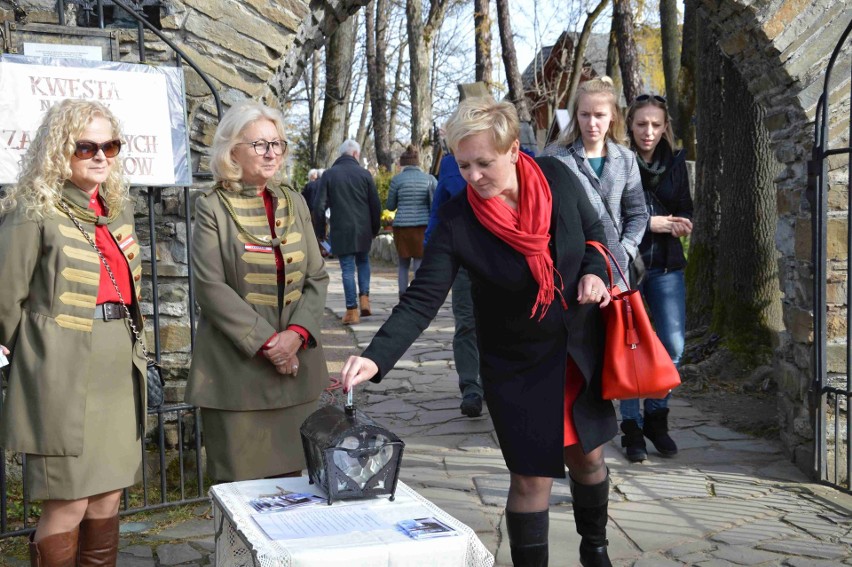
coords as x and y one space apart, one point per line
726 499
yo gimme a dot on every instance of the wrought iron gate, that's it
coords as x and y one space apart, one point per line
831 391
182 419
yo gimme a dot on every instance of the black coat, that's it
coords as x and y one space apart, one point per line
522 360
350 192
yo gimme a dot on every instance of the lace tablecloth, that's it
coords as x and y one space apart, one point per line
241 542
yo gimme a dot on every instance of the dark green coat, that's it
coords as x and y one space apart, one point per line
49 278
237 289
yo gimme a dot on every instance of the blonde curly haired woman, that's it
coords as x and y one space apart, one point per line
76 390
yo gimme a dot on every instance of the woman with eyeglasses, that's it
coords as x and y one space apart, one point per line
594 148
76 395
258 368
666 188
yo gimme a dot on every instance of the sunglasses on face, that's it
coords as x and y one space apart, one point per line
645 97
88 150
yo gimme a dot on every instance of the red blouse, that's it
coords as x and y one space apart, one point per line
114 257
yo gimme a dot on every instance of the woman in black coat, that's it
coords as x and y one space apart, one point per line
520 229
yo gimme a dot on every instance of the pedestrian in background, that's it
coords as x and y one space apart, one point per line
350 192
665 184
75 402
257 369
520 228
465 351
593 147
410 195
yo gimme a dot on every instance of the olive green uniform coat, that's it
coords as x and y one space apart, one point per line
236 287
49 279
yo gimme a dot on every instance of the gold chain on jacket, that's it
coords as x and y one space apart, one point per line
86 215
242 230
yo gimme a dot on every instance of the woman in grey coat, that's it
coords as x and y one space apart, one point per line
410 195
593 147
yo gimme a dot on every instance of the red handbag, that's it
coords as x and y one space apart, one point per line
636 364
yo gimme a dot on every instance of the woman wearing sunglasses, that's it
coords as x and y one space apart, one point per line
258 368
76 390
666 188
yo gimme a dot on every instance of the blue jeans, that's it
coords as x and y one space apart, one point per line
665 293
465 351
348 262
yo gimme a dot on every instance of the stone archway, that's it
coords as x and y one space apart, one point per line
782 49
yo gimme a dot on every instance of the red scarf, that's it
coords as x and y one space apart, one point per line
525 229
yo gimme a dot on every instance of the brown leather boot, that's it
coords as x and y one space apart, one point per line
351 317
57 550
364 300
98 543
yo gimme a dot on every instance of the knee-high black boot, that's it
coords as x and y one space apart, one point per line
528 537
590 516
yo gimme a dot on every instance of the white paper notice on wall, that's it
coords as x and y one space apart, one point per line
148 101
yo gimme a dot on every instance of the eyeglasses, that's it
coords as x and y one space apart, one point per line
262 146
646 97
88 150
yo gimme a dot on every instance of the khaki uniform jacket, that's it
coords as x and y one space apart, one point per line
237 290
49 279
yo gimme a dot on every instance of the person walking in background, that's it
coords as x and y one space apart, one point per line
350 192
257 369
521 229
310 189
410 194
666 187
465 350
593 147
75 402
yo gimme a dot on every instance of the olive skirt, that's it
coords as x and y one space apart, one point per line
112 453
245 445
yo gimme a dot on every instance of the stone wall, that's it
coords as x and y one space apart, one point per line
782 48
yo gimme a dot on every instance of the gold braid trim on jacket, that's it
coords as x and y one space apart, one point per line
260 241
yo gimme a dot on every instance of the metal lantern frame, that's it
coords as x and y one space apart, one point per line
322 434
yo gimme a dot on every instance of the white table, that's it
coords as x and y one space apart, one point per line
241 542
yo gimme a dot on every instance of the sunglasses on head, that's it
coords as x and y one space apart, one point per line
646 97
88 150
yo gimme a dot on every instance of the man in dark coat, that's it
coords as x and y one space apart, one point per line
350 192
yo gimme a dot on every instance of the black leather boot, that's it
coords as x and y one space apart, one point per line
656 428
528 537
590 516
634 441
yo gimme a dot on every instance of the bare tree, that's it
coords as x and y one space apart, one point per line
376 19
670 39
630 75
613 68
510 62
686 79
482 40
338 76
311 78
421 32
580 48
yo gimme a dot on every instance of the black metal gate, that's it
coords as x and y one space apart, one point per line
831 390
169 477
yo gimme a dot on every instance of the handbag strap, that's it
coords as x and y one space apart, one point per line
607 253
127 314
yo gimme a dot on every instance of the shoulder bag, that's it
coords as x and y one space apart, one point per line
154 379
636 364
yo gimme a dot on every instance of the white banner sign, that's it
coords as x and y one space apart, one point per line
148 101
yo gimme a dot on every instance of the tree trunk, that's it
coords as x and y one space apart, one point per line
376 16
580 49
397 91
670 38
510 62
613 67
623 22
311 78
338 78
482 40
703 243
686 79
748 305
